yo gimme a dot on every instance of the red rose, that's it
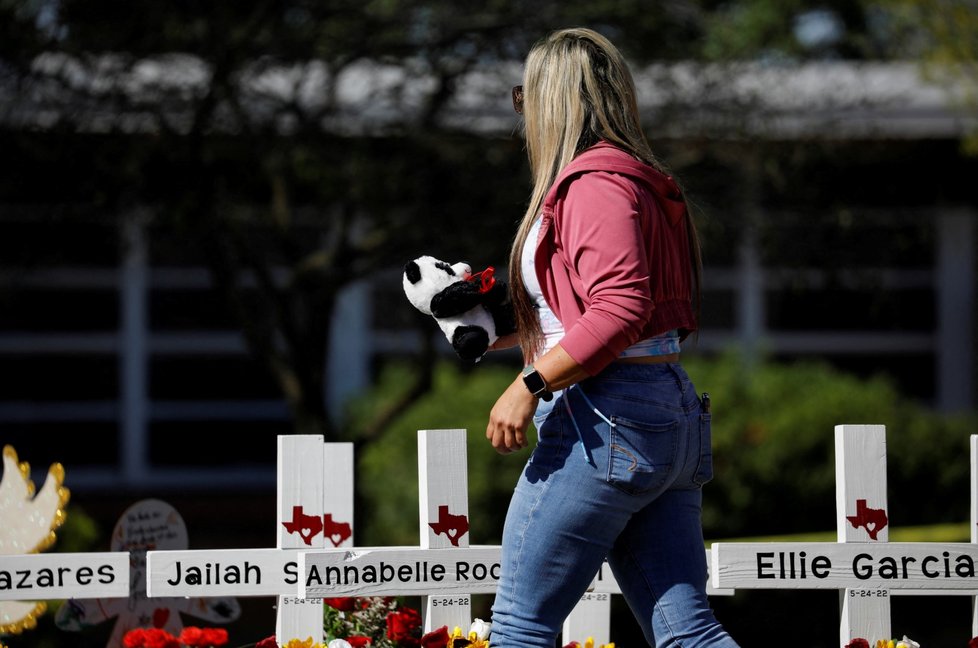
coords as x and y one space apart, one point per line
436 638
158 638
403 626
203 637
214 637
343 604
858 643
267 642
133 638
973 643
192 636
149 638
358 642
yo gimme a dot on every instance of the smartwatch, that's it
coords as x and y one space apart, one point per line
535 383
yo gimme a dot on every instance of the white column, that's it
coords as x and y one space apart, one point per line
300 526
861 512
443 507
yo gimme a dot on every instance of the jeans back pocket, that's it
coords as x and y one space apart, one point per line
641 455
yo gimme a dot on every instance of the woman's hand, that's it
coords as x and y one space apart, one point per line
510 417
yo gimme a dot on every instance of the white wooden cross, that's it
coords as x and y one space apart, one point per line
443 511
314 511
863 565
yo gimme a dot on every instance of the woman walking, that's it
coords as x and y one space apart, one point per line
604 272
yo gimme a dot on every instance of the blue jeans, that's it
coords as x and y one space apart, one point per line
623 483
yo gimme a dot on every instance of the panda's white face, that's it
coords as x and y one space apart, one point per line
463 270
426 276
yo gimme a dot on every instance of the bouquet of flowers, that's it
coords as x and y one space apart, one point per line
378 622
478 637
382 623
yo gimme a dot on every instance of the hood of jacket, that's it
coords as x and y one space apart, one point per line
605 156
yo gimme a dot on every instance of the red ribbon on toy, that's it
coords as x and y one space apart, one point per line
485 278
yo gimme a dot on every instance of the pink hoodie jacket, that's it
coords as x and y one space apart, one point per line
613 256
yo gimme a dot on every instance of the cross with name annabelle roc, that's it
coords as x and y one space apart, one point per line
863 565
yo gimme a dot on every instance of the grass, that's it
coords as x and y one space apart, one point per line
953 532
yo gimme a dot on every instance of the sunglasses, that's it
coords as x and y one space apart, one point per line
518 99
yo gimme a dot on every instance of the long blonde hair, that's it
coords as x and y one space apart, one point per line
577 91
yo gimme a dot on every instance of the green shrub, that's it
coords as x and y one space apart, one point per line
774 448
387 471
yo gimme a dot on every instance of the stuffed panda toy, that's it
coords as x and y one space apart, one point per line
473 310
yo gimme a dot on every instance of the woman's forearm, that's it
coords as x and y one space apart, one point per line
559 370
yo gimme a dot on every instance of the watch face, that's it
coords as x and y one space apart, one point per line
533 381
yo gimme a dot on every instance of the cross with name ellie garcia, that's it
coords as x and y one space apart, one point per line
862 564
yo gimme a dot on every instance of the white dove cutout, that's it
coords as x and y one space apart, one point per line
147 525
27 525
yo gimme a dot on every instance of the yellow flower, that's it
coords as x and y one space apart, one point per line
299 643
589 643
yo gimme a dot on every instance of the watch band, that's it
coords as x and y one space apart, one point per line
535 383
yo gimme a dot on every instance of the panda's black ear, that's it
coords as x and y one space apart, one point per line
412 272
